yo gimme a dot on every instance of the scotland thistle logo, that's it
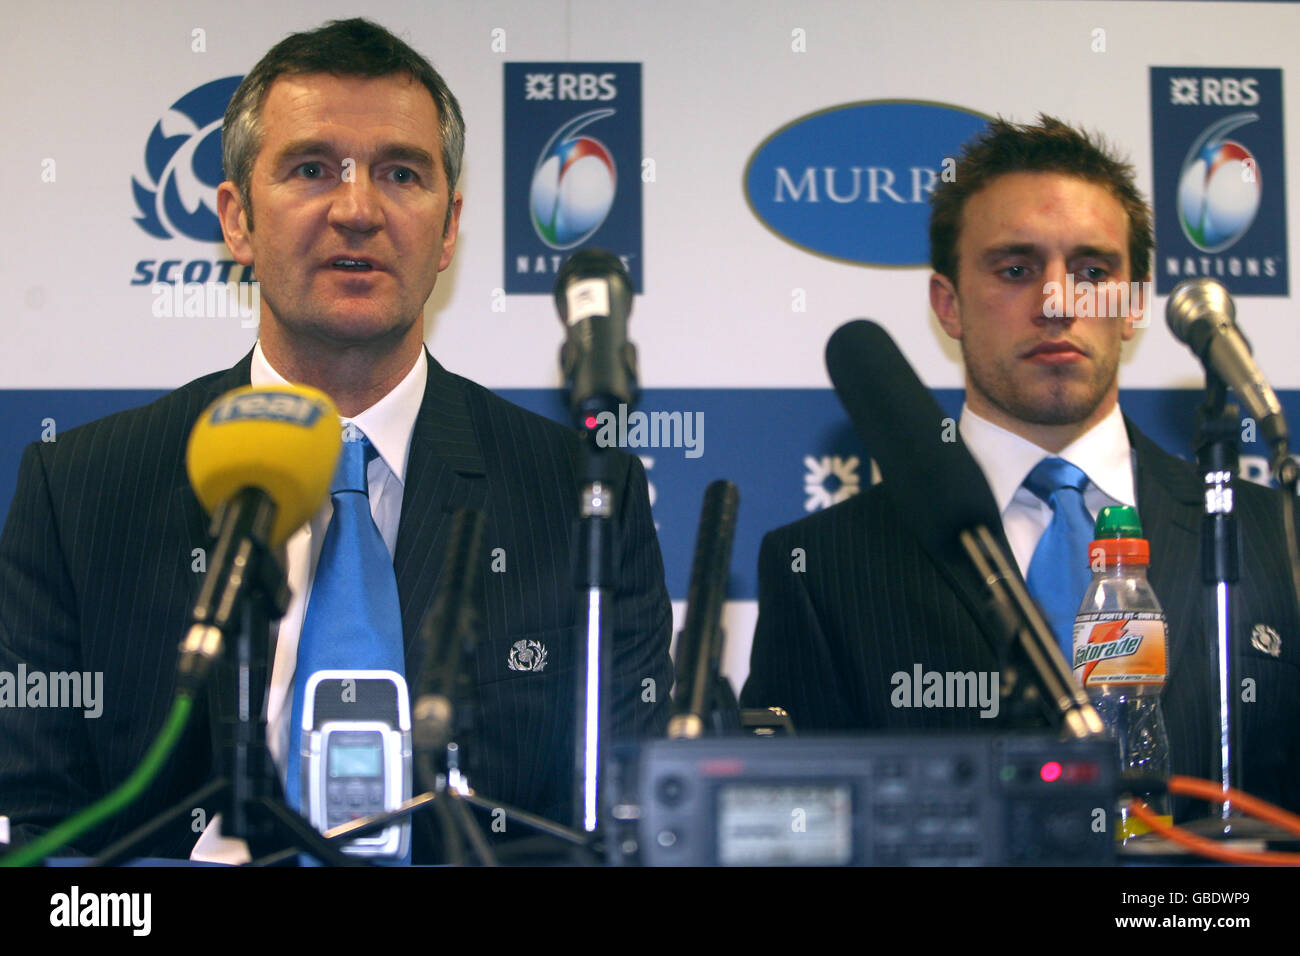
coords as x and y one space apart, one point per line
185 167
527 656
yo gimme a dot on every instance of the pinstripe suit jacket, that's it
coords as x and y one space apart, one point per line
873 602
96 574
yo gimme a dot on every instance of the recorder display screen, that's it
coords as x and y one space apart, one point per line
780 825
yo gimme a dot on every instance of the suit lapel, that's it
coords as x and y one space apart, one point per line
953 564
444 471
1166 485
1169 506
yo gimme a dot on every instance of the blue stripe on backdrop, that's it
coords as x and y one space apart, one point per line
790 451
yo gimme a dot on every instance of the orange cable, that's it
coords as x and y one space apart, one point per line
1213 792
1203 847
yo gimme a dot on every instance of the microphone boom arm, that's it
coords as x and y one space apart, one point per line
1065 701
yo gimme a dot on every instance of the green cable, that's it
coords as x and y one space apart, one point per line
116 801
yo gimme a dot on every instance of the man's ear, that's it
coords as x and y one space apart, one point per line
234 223
943 299
451 231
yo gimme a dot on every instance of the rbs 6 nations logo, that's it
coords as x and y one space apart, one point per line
1219 171
573 155
573 185
1218 191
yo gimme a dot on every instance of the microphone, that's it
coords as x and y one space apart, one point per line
448 634
699 648
937 484
946 500
1201 315
593 294
260 460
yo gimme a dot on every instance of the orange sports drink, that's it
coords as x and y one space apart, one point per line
1120 654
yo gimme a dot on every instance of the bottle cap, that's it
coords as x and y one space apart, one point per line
1119 539
1117 521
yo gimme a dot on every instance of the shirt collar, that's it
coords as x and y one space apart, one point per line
388 423
1006 459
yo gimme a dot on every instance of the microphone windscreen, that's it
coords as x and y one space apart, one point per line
927 469
592 282
1196 308
283 439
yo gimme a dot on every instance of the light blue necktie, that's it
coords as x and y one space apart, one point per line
353 618
1059 572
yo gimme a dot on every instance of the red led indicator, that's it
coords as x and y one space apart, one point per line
1080 772
590 422
1051 772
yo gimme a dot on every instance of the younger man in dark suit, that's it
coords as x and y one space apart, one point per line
342 147
1029 207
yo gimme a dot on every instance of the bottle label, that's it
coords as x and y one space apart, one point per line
1119 649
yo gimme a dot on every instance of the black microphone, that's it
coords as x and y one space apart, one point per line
593 293
448 634
1201 315
699 647
937 483
945 498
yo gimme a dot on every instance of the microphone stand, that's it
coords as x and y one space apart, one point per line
450 804
595 583
593 294
244 787
1287 473
443 721
1216 454
1013 614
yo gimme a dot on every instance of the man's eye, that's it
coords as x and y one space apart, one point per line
1094 273
311 170
404 174
1015 272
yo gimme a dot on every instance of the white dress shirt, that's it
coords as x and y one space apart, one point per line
388 424
1103 452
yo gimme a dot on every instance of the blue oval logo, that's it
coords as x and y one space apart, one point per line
853 182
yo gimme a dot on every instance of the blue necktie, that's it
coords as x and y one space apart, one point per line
1059 573
353 618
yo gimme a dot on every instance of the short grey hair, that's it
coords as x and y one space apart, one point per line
356 47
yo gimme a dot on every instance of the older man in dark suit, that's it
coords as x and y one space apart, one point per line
342 148
1031 210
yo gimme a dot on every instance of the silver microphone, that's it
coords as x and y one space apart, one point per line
1201 315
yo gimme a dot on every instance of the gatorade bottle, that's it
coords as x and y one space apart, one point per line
1120 654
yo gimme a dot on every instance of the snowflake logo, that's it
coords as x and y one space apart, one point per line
539 86
1182 90
843 480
